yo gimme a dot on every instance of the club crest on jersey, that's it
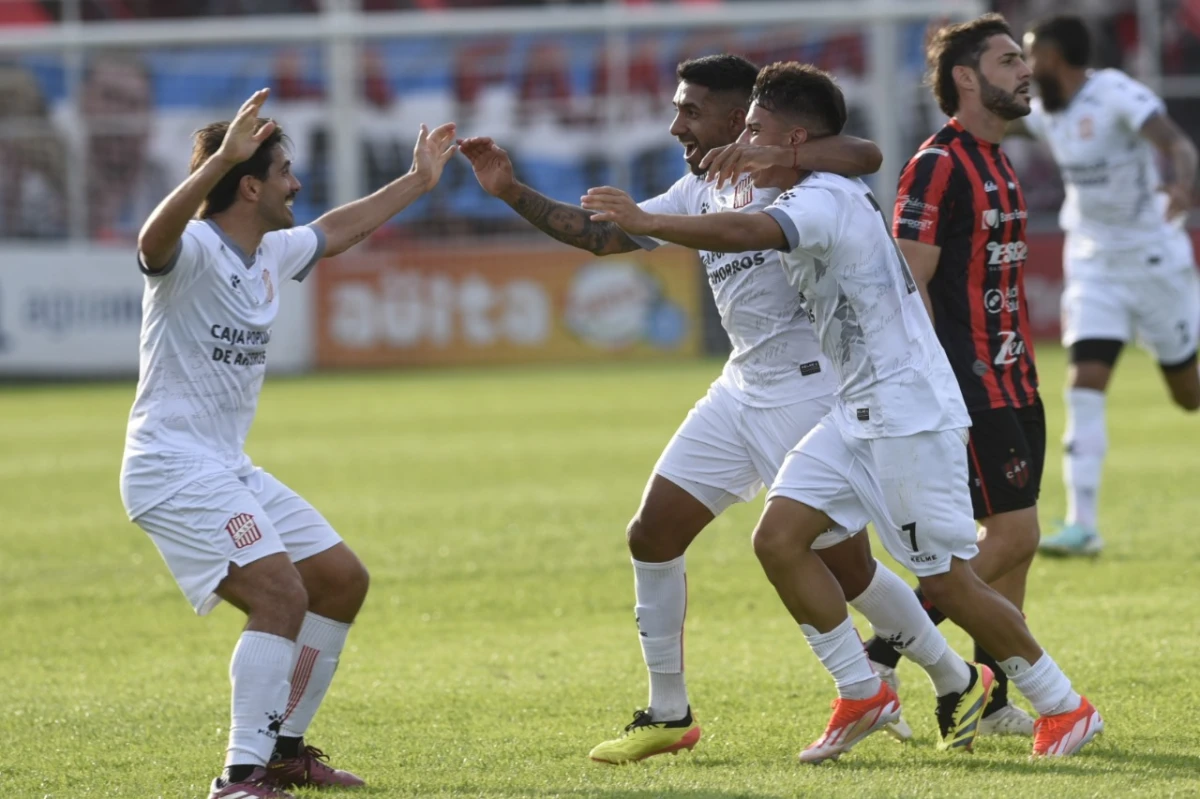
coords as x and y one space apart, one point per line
1016 471
1087 128
243 530
743 193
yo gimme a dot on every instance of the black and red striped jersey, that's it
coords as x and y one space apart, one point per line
961 194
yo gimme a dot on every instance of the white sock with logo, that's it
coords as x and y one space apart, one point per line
897 617
841 653
318 648
259 674
1043 684
1085 442
661 593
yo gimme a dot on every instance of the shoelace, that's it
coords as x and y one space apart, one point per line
640 719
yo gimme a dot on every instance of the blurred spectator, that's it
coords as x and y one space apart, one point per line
123 183
32 161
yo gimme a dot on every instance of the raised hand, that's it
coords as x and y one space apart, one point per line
432 151
614 205
493 168
242 139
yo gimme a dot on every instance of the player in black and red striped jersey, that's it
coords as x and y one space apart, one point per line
960 222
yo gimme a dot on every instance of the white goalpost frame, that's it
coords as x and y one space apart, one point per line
341 25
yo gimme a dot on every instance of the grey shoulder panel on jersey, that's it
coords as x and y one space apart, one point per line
167 267
317 253
789 227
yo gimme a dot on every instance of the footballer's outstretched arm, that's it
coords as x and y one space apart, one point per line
569 224
721 232
349 224
1179 150
841 155
159 238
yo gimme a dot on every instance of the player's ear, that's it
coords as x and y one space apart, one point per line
798 136
737 121
965 77
249 188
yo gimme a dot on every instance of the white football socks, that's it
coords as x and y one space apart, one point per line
259 674
1086 442
1043 684
314 662
661 592
841 653
897 617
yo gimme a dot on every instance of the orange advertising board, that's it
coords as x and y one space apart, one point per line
446 306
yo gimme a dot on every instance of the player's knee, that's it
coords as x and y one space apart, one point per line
771 541
651 541
941 590
279 602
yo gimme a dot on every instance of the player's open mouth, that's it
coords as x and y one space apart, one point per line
289 201
689 149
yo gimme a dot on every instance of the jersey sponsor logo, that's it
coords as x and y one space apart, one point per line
990 186
994 217
1012 253
1012 347
995 300
727 270
916 224
928 557
243 530
1093 174
743 193
810 368
1016 471
233 335
907 201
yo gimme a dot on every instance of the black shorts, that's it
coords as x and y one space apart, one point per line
1006 455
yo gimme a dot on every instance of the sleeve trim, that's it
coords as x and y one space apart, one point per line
316 256
166 268
786 224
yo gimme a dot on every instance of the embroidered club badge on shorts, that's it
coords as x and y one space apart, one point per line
243 530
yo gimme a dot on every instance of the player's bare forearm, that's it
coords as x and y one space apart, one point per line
160 236
569 224
1176 146
841 155
353 222
722 232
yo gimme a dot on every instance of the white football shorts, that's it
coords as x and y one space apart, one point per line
221 519
1155 301
726 451
914 488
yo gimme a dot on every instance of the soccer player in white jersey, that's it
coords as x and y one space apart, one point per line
893 447
775 387
214 254
1128 262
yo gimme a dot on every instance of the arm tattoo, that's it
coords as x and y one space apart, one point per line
571 224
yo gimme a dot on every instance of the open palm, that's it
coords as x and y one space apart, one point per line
432 151
493 168
244 135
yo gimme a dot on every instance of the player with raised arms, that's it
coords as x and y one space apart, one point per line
214 255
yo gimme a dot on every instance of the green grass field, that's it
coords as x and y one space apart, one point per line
498 644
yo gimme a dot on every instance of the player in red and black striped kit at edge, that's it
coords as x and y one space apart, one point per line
960 222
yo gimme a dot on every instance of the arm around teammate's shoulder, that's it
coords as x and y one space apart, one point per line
922 261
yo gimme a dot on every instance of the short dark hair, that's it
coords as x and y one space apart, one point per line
208 141
960 45
1069 34
720 73
804 91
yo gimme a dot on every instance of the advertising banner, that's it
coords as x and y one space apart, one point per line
506 305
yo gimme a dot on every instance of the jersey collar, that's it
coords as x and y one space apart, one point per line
247 260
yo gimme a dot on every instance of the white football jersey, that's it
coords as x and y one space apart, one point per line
894 377
1108 168
776 358
206 323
